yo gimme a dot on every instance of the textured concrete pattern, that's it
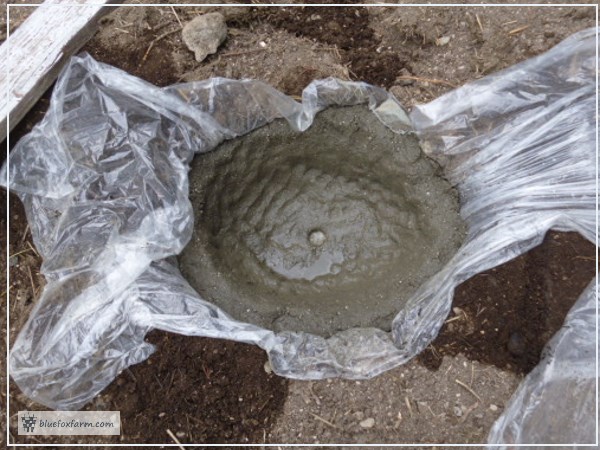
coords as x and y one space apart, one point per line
319 231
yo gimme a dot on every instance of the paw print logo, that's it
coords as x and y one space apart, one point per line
29 422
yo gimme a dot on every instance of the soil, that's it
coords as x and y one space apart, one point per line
202 390
349 32
239 401
505 316
408 404
428 51
320 231
18 13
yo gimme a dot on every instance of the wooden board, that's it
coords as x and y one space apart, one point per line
36 52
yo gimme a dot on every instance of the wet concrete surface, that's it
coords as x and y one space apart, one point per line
319 231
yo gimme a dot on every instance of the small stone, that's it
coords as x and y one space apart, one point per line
458 412
493 408
405 81
516 344
442 41
317 238
368 423
268 367
334 27
101 404
161 415
204 34
262 44
180 434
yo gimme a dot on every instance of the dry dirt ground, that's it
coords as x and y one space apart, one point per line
206 390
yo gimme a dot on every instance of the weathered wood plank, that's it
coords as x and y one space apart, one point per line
36 52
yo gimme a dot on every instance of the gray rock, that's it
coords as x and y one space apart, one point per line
368 423
204 34
517 344
404 81
442 41
458 412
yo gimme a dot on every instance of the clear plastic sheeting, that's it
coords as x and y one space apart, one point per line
104 181
521 147
556 403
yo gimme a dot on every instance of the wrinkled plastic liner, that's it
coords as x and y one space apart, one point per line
104 181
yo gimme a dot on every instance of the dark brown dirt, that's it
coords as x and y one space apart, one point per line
25 280
505 316
349 31
3 324
155 64
203 390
